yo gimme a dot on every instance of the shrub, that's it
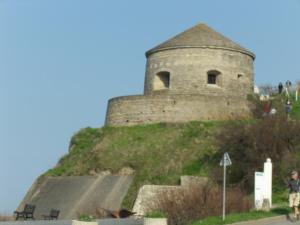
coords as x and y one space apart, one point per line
86 218
186 205
250 144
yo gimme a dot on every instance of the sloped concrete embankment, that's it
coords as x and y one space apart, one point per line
77 194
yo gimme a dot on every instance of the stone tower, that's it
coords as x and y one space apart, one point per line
197 75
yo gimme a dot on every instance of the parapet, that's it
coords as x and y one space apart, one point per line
147 109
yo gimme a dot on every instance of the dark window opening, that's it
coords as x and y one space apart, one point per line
162 80
212 79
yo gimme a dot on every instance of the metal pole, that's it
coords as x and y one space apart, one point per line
224 187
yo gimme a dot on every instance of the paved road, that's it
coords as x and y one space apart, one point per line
285 223
279 220
117 222
69 222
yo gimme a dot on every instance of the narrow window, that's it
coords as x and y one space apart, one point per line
213 77
162 80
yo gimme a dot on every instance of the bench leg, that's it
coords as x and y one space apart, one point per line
29 216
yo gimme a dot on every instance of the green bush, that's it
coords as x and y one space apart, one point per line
86 218
156 214
181 206
249 145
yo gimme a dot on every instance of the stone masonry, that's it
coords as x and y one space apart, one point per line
148 194
196 75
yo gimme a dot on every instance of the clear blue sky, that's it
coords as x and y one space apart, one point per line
61 60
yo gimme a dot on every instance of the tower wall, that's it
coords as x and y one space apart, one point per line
188 69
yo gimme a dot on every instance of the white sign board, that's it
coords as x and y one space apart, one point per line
259 186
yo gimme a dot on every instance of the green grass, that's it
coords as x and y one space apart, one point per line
81 145
279 103
86 218
156 214
295 114
280 197
233 218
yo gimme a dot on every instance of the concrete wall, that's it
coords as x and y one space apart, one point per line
73 195
132 110
148 194
188 69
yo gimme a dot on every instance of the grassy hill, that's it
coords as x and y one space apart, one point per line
158 153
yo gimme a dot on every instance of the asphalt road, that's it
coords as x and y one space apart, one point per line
113 222
286 223
69 222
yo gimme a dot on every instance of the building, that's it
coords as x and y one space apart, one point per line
197 75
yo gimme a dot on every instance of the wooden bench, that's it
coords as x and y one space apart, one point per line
54 213
27 213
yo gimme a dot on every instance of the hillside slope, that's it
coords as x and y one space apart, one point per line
159 153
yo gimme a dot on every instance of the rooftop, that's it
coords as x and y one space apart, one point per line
200 36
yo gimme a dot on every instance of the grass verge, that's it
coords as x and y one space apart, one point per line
239 217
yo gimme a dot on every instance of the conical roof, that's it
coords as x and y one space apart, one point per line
200 36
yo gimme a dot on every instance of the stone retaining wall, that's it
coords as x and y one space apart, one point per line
139 109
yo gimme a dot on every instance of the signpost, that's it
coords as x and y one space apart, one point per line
225 161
